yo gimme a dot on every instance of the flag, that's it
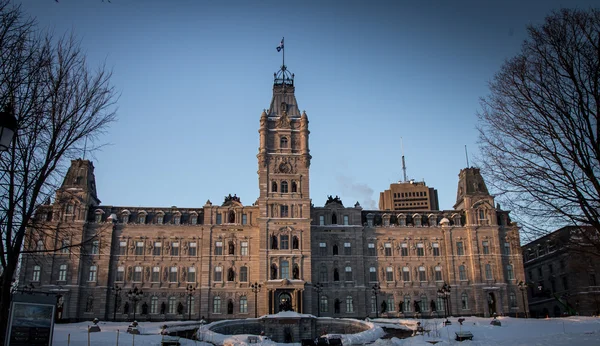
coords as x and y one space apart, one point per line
280 47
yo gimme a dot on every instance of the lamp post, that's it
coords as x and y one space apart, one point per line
117 290
444 293
256 288
523 286
8 126
376 290
135 295
190 292
318 287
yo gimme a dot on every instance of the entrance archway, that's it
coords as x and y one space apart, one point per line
285 302
491 303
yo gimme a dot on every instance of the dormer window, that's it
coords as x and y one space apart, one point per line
177 218
193 219
160 218
284 187
98 215
283 143
141 219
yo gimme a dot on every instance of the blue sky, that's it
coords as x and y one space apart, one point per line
194 77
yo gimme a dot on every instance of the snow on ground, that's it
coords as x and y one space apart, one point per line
569 331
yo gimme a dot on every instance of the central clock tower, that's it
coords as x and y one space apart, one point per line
284 201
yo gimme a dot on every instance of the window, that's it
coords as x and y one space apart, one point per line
284 187
294 186
191 274
172 305
391 304
321 220
70 208
62 272
348 273
440 304
156 249
244 248
406 303
371 249
565 283
422 274
405 274
507 248
388 249
284 211
510 272
486 247
219 248
173 274
323 275
175 248
404 249
139 248
243 305
155 274
193 219
513 300
295 243
373 304
436 249
372 274
460 250
420 250
323 249
244 219
336 275
137 274
243 274
159 219
462 273
93 273
335 250
231 248
95 247
218 274
219 219
176 219
193 249
438 273
285 270
285 242
389 274
36 273
349 304
190 307
65 246
346 222
324 306
123 248
347 249
142 218
464 300
154 305
283 142
488 271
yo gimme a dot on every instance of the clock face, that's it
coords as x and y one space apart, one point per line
284 168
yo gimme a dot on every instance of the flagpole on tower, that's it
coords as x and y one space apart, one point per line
283 51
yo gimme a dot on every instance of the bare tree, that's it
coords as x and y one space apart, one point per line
539 131
60 105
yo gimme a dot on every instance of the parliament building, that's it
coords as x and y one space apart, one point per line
227 260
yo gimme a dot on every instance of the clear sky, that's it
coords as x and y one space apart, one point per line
194 77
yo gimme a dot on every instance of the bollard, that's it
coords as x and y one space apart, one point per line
133 340
117 337
69 339
88 335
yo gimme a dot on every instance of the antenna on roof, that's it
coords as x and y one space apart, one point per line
403 163
467 156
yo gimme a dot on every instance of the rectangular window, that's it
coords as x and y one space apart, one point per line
244 248
154 305
391 304
348 273
347 249
488 272
388 249
93 273
120 274
371 250
284 211
243 305
62 272
173 274
405 274
349 304
404 249
406 304
218 274
323 249
244 274
420 250
191 274
175 248
389 274
36 273
156 249
507 248
155 274
372 274
137 274
219 221
321 220
139 248
460 250
193 249
422 274
462 273
510 272
436 249
373 304
65 246
219 248
486 247
95 247
285 269
244 219
346 220
285 242
438 273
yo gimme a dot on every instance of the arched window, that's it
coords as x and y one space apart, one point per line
243 305
283 143
324 306
273 187
294 187
284 187
335 249
464 300
231 218
217 305
336 306
334 219
336 275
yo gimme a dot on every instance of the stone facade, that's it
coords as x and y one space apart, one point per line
319 260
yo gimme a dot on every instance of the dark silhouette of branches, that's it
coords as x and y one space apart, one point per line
539 128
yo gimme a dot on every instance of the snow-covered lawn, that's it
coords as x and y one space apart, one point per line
569 331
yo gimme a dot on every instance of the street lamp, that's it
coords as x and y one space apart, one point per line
8 126
190 292
135 296
444 293
376 290
256 288
523 286
318 287
117 291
